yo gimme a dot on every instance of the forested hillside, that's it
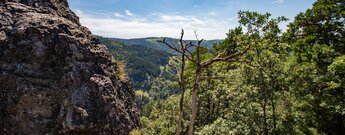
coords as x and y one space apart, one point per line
141 62
152 42
259 80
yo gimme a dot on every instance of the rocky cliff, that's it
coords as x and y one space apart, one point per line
55 77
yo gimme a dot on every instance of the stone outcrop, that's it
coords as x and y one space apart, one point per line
55 77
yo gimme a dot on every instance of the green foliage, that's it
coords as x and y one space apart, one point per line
135 132
219 127
317 45
230 99
163 116
141 98
337 72
161 88
122 73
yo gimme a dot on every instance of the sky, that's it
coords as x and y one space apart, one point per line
211 19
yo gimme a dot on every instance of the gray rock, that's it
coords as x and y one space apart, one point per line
55 77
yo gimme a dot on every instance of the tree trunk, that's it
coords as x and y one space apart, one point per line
273 111
179 122
264 88
194 105
265 115
182 89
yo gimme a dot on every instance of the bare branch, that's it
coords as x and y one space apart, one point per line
190 44
222 53
227 58
181 50
190 53
242 61
171 47
181 40
196 34
200 41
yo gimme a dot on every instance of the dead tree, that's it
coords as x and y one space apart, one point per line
183 50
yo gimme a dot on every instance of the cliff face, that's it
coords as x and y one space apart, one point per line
55 77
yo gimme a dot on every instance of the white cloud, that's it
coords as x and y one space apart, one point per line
279 1
129 13
168 18
157 25
196 6
212 13
118 14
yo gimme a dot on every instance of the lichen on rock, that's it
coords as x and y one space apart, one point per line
55 77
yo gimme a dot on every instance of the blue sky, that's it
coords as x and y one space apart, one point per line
165 18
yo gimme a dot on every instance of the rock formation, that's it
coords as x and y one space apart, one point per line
55 77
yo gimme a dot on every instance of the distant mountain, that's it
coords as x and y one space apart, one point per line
152 42
140 60
143 56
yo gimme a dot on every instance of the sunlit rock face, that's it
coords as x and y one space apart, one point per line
55 77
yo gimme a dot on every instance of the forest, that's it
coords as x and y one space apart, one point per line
261 79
